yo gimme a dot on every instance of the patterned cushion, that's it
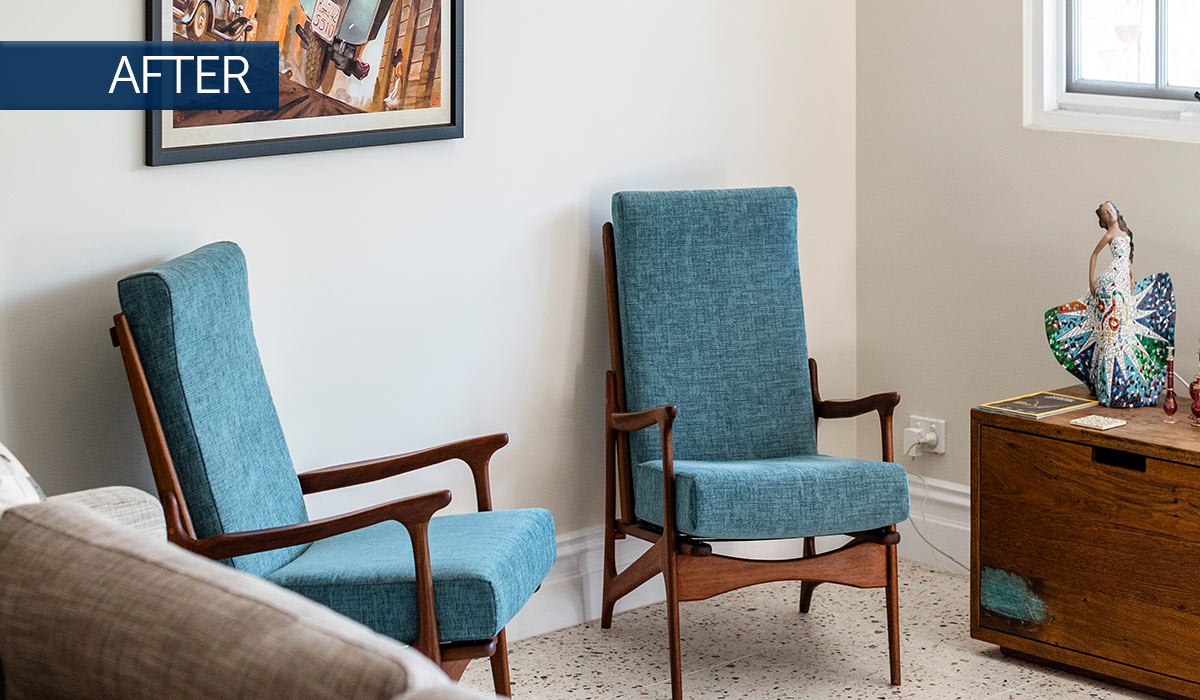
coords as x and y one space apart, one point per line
485 567
191 321
16 486
802 496
712 321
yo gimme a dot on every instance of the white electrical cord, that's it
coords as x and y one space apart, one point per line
924 502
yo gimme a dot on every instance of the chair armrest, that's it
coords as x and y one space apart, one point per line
131 507
880 403
475 452
412 512
883 404
662 416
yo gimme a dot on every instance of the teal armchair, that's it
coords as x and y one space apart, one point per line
448 585
712 411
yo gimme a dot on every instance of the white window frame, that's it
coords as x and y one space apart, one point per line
1048 105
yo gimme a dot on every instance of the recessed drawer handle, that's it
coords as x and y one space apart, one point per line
1119 458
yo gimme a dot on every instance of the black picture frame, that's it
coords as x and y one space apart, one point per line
156 155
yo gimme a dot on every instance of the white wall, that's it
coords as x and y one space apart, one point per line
446 289
970 226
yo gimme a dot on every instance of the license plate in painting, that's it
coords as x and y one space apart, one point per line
325 19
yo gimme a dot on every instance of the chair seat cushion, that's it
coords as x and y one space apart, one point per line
485 567
803 496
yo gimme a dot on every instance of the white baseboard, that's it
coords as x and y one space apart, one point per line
571 593
942 512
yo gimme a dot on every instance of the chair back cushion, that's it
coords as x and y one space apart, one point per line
91 610
712 320
190 319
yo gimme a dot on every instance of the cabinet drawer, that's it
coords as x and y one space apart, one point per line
1093 550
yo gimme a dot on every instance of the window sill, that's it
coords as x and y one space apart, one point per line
1168 120
1048 105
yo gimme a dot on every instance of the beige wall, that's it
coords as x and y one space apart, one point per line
971 226
455 289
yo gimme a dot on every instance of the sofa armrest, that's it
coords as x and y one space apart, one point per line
130 507
91 609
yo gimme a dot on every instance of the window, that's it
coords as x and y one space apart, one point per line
1139 48
1114 66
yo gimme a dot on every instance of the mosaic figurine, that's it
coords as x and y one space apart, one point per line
1115 339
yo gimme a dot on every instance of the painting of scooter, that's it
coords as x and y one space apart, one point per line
334 35
361 66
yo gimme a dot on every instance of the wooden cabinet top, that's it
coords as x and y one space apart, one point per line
1144 433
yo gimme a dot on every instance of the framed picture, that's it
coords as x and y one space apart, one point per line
351 73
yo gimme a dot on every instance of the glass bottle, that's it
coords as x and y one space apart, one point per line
1194 392
1170 405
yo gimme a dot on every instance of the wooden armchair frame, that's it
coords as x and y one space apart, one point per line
690 569
413 513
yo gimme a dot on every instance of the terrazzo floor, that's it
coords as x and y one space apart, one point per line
753 643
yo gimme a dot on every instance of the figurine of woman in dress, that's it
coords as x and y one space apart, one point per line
1115 339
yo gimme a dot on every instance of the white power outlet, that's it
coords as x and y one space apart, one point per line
916 440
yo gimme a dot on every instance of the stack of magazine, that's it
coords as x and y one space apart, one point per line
1039 405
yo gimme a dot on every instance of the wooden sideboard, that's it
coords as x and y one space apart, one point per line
1085 545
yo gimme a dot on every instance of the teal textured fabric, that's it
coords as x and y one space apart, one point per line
712 320
803 496
190 318
485 567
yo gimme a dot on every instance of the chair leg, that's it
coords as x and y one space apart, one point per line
893 611
455 669
610 575
670 578
806 588
499 661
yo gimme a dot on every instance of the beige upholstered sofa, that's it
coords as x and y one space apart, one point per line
95 604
